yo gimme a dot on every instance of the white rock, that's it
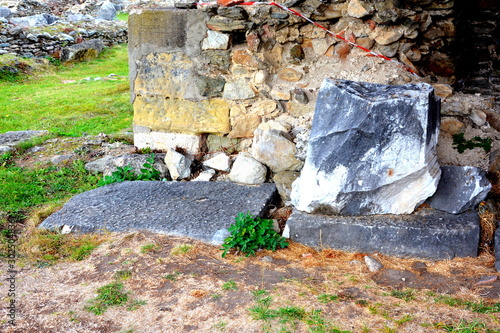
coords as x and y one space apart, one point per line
205 176
178 165
247 170
215 41
271 148
220 162
373 264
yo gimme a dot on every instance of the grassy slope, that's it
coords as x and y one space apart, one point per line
51 102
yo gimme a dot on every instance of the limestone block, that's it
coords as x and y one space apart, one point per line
204 176
271 148
372 150
387 35
164 141
244 126
178 165
182 116
460 188
217 143
247 170
83 51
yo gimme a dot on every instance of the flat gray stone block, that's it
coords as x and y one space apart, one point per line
199 210
426 234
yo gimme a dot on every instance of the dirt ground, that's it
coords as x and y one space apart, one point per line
185 286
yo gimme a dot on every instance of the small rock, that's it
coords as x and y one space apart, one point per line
266 259
289 75
178 165
58 159
443 90
215 41
274 150
237 90
107 11
247 170
220 162
260 77
451 125
99 165
300 96
478 117
205 176
359 8
373 264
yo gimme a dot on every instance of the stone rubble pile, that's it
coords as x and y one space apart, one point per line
34 30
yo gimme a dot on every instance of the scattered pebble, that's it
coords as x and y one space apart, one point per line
373 264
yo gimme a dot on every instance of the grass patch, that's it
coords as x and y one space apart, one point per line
112 294
464 327
23 189
181 249
288 318
478 307
62 102
230 285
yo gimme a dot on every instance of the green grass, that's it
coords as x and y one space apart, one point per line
108 295
45 102
26 188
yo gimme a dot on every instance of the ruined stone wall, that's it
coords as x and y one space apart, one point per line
225 70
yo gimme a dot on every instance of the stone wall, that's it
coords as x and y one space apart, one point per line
27 43
205 79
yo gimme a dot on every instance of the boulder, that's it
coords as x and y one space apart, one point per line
460 188
83 51
178 165
247 170
271 148
372 150
107 11
5 12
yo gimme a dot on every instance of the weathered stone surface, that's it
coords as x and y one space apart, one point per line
107 11
235 13
179 166
34 20
182 116
217 143
200 210
426 234
220 23
478 117
83 51
460 188
238 89
220 162
387 35
136 161
145 138
215 41
244 58
247 170
372 150
271 148
451 125
61 159
5 12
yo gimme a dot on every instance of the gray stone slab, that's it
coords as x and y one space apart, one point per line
15 137
426 234
199 210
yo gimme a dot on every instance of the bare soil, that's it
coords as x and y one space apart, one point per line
184 292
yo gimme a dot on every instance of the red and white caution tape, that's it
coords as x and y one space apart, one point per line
294 12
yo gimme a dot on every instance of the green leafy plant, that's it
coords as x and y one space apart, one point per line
250 234
230 285
148 172
461 144
108 295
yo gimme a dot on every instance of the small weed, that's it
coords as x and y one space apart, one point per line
108 295
147 248
473 306
135 304
181 249
403 320
461 144
220 326
406 295
249 234
216 296
361 302
123 274
127 173
327 298
230 285
173 276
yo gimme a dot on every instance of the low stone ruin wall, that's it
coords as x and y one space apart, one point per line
26 43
